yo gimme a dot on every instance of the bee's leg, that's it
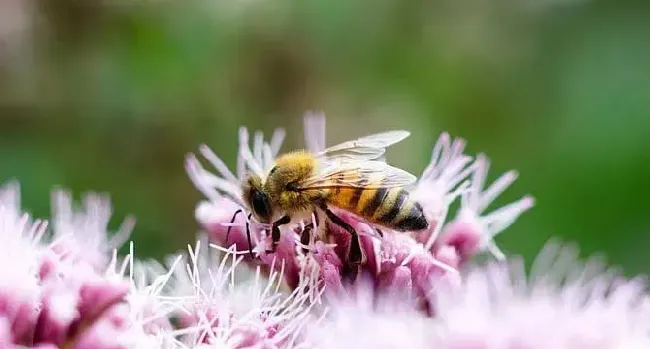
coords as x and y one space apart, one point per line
248 236
275 232
234 216
355 257
381 233
305 236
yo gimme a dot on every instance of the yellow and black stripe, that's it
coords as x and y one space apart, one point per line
389 207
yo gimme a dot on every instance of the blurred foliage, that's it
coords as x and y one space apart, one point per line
110 95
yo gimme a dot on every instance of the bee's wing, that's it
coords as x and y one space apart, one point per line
359 174
368 148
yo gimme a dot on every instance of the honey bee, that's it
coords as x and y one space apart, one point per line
352 176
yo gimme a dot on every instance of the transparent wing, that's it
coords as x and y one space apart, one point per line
364 174
368 148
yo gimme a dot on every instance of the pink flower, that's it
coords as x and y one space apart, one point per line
361 318
61 293
441 183
82 234
404 261
67 288
74 300
396 262
219 310
143 318
470 233
562 304
20 290
224 215
149 307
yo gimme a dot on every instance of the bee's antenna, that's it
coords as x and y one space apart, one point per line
248 236
230 227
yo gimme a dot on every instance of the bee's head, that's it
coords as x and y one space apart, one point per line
257 199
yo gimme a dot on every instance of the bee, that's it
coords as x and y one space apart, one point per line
352 176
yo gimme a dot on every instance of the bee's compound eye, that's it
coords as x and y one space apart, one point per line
260 204
292 186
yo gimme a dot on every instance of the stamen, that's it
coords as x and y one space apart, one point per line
505 216
196 172
123 233
218 164
245 153
258 144
314 130
276 141
268 157
438 228
230 249
498 187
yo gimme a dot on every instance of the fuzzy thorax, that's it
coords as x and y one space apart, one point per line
280 192
284 179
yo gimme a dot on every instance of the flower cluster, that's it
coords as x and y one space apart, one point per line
62 284
65 287
564 304
57 289
396 261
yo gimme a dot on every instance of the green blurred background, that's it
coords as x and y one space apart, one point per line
110 95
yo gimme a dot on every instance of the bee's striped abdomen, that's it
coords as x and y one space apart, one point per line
389 207
398 211
411 219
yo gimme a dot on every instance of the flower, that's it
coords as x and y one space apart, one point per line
394 260
83 234
51 294
441 183
146 311
361 318
218 310
562 304
469 232
66 287
224 215
69 291
20 291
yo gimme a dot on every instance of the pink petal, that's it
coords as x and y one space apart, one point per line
51 327
448 255
22 315
101 335
332 278
6 337
284 258
216 219
371 247
96 297
465 237
396 282
48 265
